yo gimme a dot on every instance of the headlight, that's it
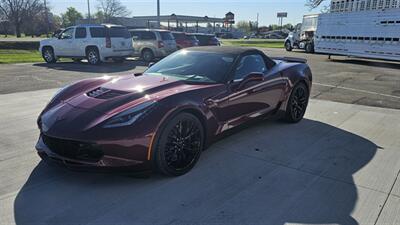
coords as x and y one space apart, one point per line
129 116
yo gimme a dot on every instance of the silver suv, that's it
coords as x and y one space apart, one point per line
96 43
151 43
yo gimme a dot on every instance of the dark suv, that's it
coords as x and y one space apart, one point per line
185 41
207 39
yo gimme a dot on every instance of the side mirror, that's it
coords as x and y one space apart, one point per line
252 77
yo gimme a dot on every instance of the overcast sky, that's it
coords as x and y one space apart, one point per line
243 9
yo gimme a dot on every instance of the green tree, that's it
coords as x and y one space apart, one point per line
99 17
17 12
70 17
112 8
243 26
288 26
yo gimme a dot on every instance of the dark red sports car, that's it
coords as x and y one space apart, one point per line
161 120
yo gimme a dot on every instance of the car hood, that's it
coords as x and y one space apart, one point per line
123 92
89 107
46 41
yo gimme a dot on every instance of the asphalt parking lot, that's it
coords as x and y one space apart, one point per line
354 81
340 165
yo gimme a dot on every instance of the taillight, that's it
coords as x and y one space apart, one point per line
108 42
160 44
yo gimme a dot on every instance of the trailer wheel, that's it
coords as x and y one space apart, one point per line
288 46
309 48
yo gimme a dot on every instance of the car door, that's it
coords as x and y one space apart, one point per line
64 44
143 39
245 101
80 42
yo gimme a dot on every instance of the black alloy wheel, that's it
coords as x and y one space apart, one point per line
297 103
180 145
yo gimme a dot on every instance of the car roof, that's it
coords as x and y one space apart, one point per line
200 34
233 51
144 29
98 25
224 49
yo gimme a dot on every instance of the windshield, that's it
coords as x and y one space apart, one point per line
166 36
191 37
194 66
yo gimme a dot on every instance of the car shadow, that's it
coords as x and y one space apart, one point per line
269 173
366 62
105 67
387 64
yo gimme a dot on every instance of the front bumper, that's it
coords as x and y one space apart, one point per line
103 162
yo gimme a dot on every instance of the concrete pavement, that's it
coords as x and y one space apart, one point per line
338 166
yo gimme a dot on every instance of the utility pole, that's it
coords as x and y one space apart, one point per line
47 18
257 25
158 14
88 9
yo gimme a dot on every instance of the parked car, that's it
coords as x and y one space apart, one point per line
207 39
163 119
96 43
151 43
184 41
58 32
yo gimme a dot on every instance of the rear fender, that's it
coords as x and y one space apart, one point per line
296 73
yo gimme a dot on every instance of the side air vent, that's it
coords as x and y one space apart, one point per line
104 93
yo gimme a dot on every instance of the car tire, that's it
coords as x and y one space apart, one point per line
147 55
93 56
119 60
48 55
297 104
288 46
309 48
179 145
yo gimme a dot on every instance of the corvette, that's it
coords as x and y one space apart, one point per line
162 119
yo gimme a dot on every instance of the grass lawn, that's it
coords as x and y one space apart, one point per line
261 43
19 56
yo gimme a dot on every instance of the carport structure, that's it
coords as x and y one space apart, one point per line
179 19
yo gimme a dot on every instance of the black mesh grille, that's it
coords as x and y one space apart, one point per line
73 149
104 93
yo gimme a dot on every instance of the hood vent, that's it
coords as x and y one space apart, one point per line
104 93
